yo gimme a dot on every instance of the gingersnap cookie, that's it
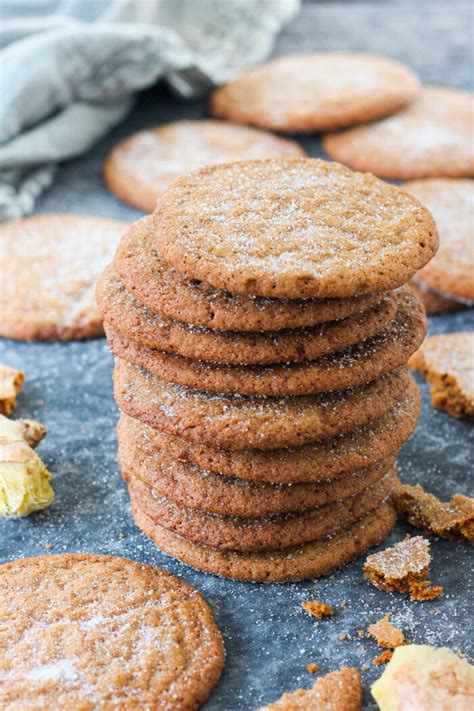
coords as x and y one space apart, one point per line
139 169
156 285
187 485
293 228
447 362
126 317
52 263
356 365
308 560
338 690
433 302
260 533
320 462
238 422
83 631
451 202
317 92
431 137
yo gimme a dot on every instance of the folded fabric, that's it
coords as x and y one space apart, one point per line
69 70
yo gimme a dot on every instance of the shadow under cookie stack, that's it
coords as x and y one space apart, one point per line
262 330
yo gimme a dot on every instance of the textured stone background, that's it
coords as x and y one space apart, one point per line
269 640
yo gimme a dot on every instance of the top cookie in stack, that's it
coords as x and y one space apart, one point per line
262 333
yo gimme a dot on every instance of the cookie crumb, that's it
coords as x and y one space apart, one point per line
312 667
364 667
342 637
48 546
385 633
338 690
11 381
453 520
317 608
384 657
402 568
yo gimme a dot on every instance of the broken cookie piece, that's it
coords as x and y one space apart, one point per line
337 690
11 381
401 568
425 678
454 519
384 657
24 480
447 362
317 608
385 634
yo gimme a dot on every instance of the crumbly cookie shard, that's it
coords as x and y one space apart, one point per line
423 677
317 608
53 262
293 228
337 690
317 92
431 137
384 657
402 568
447 362
24 479
454 519
140 168
385 634
451 202
11 381
150 281
86 631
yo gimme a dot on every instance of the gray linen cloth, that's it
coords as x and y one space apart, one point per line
69 70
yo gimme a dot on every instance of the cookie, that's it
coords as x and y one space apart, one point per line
354 366
161 288
451 202
125 316
260 533
339 690
317 92
433 302
446 361
452 519
139 169
52 263
238 422
296 563
315 462
293 228
187 485
84 631
430 138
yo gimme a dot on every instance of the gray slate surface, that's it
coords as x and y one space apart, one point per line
269 640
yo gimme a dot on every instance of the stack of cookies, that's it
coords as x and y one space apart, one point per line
262 331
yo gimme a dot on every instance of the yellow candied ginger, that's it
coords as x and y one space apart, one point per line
24 479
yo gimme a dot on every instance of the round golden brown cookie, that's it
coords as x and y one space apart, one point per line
140 168
163 289
315 462
434 302
293 228
96 631
317 92
432 137
264 533
451 202
447 362
126 317
278 566
52 263
238 422
356 365
187 485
